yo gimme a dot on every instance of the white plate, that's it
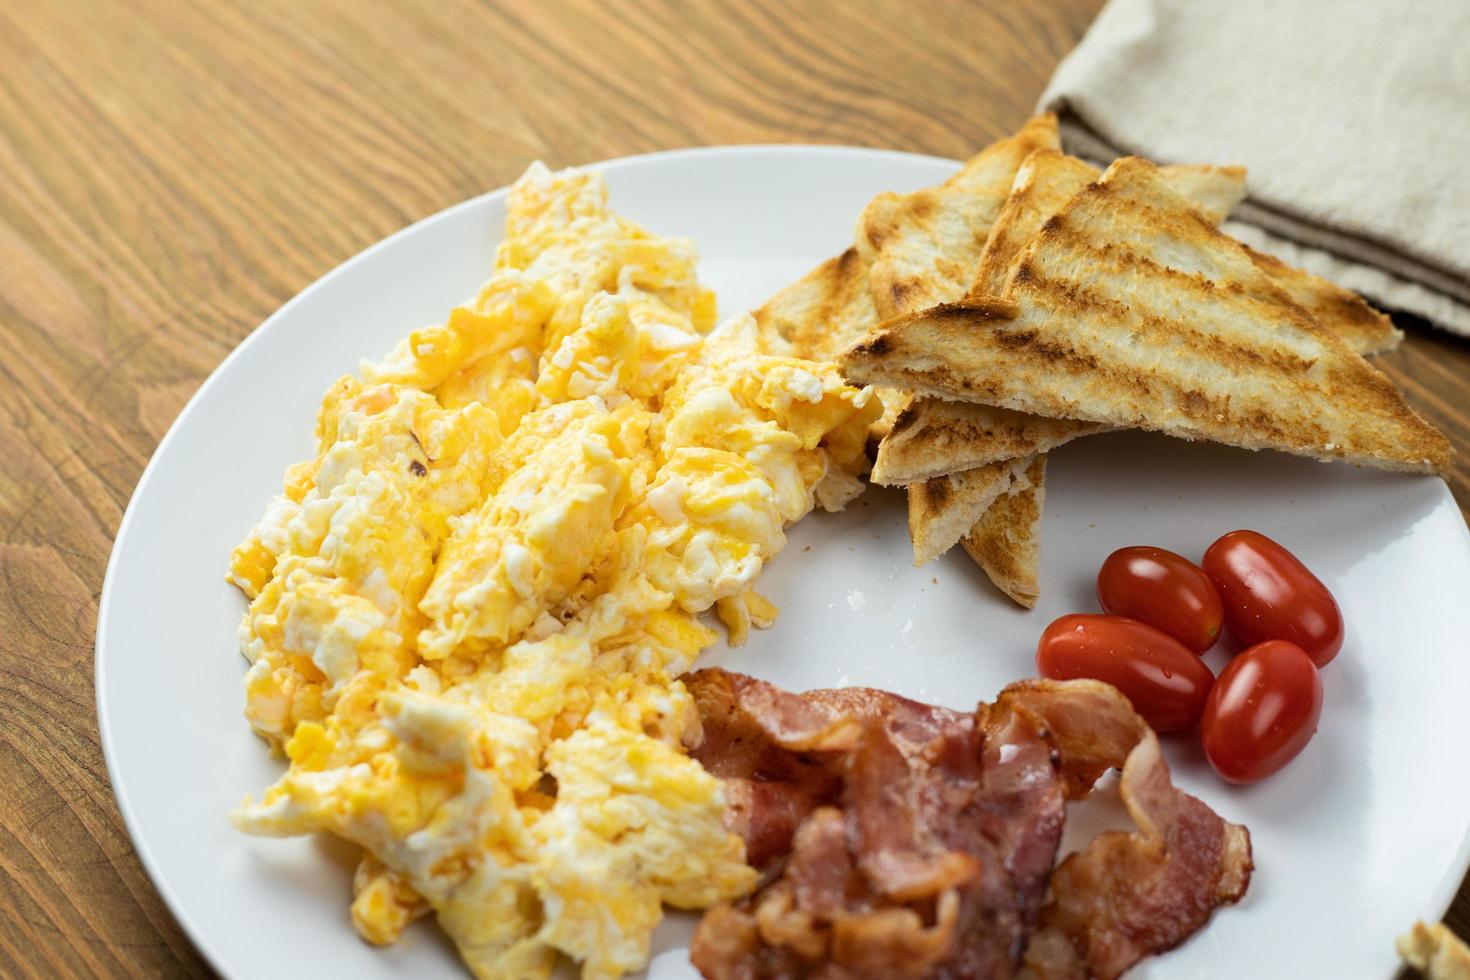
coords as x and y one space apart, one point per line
1363 833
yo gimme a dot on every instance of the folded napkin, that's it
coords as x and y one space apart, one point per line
1352 116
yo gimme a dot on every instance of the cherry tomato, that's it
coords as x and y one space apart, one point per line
1262 711
1167 591
1166 682
1270 595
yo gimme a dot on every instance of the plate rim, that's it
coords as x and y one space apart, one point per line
1436 905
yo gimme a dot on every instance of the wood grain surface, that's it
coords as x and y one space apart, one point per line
171 172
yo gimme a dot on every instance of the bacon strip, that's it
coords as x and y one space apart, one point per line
1127 895
923 845
919 841
768 747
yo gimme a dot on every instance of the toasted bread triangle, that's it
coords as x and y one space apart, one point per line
931 436
943 510
1131 309
1044 183
922 248
1006 541
823 312
919 243
1048 179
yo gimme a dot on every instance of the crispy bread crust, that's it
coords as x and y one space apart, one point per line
1214 190
932 437
1045 182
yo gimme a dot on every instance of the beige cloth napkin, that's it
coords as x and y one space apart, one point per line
1353 117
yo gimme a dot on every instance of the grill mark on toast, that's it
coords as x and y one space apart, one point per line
880 346
1244 422
1030 342
848 264
822 312
1261 289
936 492
1084 304
1123 263
1341 311
908 417
921 206
1005 388
900 291
879 227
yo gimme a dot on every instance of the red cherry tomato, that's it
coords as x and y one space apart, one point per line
1270 595
1262 711
1166 683
1167 591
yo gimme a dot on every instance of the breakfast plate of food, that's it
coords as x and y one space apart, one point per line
637 569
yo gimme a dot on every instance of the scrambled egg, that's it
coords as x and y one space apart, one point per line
469 612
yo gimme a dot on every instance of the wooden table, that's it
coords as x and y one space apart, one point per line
171 172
